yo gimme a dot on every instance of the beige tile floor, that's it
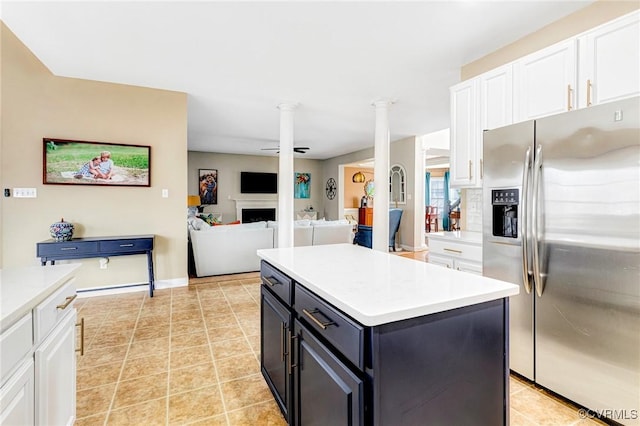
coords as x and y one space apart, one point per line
191 356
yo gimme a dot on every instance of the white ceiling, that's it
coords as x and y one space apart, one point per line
238 60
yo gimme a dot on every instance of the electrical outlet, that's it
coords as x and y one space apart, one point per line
165 193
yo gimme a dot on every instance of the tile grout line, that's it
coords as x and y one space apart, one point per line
167 404
115 390
213 359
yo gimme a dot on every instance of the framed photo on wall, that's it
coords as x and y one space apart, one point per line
208 186
70 162
301 185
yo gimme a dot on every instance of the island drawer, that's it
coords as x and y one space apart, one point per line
342 332
66 248
48 313
277 282
126 245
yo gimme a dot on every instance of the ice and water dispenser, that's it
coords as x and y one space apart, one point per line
505 212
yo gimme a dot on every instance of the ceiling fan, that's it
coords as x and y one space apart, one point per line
298 149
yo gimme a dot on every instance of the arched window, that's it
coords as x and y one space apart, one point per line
397 185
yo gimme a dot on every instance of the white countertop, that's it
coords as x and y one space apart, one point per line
21 289
460 236
377 288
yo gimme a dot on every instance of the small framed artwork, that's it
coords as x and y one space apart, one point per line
69 162
208 186
301 185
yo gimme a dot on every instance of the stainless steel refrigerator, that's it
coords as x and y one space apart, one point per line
561 218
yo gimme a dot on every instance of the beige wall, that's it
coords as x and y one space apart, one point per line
229 167
37 104
353 191
591 16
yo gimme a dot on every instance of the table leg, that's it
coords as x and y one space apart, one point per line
150 267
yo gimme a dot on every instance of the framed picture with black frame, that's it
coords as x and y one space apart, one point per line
208 186
74 162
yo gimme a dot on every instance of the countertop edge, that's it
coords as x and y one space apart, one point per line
7 319
397 315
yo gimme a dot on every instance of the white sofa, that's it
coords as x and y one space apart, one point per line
231 249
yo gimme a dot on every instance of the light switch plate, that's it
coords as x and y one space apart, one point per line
24 192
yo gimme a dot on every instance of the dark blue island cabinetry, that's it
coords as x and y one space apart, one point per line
326 368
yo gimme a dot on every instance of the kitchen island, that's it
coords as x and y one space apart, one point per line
356 336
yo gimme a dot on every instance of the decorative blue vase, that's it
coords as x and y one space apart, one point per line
61 231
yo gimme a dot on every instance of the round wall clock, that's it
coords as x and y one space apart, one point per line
331 188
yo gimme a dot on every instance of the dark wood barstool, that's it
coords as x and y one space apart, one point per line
431 219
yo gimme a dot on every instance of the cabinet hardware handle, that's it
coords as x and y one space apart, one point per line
589 92
458 268
126 245
322 325
67 302
448 266
569 92
283 351
270 281
291 364
453 251
68 248
470 170
81 325
481 169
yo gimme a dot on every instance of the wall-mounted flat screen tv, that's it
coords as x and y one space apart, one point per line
258 183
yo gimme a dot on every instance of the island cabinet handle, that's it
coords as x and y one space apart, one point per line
283 349
290 353
81 325
126 245
68 248
270 281
322 325
67 302
453 251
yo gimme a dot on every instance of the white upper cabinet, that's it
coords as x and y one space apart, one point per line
483 103
464 134
610 62
545 82
496 98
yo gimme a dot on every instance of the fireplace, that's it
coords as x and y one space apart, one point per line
257 215
260 209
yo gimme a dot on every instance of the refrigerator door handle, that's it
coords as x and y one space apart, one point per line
535 213
523 222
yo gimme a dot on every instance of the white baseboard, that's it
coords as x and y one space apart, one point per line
131 288
410 248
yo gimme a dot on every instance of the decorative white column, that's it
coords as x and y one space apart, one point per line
381 177
285 176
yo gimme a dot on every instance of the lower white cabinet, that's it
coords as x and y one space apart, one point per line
16 397
55 372
37 353
461 251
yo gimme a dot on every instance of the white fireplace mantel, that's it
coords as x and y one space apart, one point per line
255 204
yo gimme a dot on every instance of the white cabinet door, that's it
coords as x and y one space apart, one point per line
610 62
496 98
16 397
545 81
445 261
467 266
55 375
464 134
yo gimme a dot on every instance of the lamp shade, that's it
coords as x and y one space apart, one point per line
193 200
358 177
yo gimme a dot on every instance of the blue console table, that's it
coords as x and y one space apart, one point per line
83 248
